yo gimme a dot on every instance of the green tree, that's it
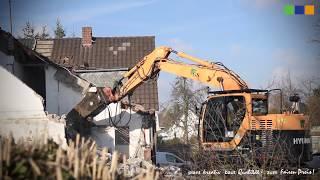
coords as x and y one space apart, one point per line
59 32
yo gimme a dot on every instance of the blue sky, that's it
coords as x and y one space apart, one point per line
252 37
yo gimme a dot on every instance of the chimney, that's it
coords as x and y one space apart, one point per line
86 36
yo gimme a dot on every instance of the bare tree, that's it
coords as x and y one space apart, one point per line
44 33
29 31
316 38
313 103
185 100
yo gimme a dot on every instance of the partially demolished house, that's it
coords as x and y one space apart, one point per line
28 80
101 60
128 128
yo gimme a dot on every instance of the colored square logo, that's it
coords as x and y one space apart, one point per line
309 9
299 10
288 9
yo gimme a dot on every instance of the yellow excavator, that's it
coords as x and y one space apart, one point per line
232 119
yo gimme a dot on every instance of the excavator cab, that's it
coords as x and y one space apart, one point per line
222 117
239 120
225 112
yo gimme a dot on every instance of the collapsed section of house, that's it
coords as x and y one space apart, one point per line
43 82
22 114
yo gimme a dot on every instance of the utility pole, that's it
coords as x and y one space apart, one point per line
10 16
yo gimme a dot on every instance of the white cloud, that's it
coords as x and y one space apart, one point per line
90 12
300 66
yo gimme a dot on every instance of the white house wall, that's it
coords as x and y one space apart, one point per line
17 99
22 114
61 95
178 131
105 136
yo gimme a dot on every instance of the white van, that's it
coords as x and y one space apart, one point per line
169 159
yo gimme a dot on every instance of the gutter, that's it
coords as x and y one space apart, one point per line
99 70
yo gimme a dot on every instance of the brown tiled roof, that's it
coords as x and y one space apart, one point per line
106 52
109 53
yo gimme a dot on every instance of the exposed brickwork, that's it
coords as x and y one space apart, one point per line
86 36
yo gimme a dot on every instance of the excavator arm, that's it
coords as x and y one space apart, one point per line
212 74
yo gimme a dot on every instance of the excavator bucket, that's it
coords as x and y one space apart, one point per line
79 119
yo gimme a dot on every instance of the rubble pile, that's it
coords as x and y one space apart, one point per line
56 118
133 166
170 171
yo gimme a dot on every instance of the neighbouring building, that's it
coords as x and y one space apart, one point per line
177 130
315 139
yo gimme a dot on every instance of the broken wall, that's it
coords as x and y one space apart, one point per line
9 63
31 74
22 113
103 79
64 90
104 133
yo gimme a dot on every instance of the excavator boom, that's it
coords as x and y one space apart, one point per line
211 74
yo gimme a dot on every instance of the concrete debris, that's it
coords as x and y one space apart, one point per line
56 129
170 171
56 118
133 167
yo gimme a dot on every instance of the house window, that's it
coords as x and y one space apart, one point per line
122 136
